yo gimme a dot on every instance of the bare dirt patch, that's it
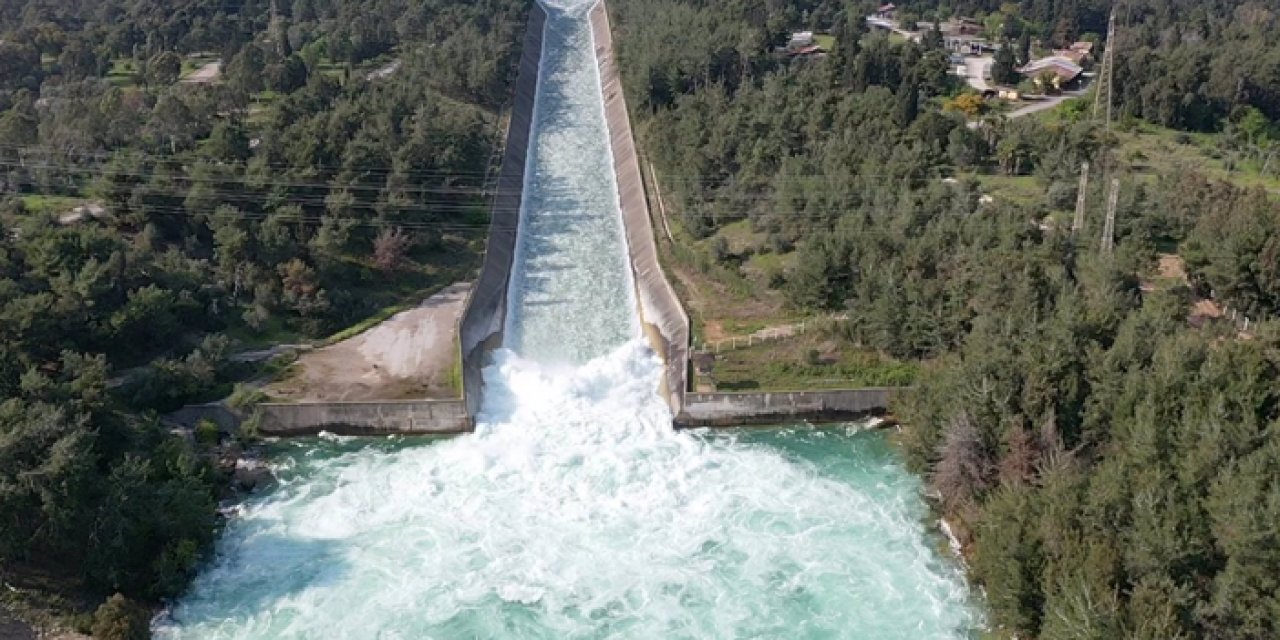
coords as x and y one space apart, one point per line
411 355
206 74
1172 267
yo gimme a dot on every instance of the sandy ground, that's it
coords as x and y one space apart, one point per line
206 74
1172 267
411 355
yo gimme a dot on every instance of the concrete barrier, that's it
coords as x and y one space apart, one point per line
665 322
481 328
765 408
420 417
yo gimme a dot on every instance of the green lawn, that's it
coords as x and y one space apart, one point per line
1023 190
43 204
825 41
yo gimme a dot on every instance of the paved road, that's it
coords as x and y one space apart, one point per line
976 71
1042 105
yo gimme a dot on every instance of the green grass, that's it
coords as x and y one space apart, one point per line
43 204
274 331
329 68
122 73
1152 151
787 365
1024 190
894 36
825 41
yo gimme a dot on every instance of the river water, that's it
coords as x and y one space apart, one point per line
575 510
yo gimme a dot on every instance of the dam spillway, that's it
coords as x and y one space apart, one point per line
575 510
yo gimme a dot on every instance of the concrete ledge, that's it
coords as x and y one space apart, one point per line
665 323
735 409
365 418
481 328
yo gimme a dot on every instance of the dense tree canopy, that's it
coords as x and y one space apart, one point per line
1110 470
342 140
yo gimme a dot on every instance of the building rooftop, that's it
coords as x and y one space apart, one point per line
1065 68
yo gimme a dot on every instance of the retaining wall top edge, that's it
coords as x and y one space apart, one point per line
706 394
364 403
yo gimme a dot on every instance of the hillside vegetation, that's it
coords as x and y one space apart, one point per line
288 194
1111 470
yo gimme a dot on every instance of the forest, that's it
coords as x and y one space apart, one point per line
152 224
1110 469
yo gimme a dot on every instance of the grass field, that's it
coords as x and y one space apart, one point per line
1152 150
122 73
811 361
1023 190
43 204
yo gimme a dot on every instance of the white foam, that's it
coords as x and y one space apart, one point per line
578 512
575 510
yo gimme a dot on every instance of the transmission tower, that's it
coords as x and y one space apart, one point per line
1109 229
1108 70
1078 224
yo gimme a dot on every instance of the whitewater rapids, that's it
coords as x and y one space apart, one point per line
575 510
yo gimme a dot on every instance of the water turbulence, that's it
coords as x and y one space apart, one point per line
575 510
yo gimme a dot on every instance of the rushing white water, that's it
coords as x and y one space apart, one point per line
575 510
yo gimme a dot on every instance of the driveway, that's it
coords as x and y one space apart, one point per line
205 74
976 69
1043 105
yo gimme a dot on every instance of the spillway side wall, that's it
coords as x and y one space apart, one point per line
759 408
419 417
481 327
665 322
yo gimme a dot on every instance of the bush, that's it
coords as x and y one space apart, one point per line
206 433
245 396
1061 195
720 249
119 618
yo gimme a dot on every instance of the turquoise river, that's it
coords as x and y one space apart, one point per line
575 510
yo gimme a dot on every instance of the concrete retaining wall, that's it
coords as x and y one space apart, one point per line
664 319
481 327
365 418
760 408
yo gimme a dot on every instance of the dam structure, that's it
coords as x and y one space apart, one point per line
576 509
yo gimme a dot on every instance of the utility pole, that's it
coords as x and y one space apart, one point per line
1108 70
1109 230
1081 197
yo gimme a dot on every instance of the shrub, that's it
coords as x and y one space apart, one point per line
245 396
206 433
1061 195
119 618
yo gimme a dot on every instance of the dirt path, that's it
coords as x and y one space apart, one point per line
205 74
411 355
